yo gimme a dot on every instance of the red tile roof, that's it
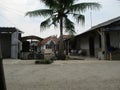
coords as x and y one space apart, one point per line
53 38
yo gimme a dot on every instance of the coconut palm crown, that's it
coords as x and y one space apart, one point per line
58 12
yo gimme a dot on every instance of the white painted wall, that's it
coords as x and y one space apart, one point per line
14 45
43 47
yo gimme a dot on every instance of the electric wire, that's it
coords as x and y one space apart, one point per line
11 10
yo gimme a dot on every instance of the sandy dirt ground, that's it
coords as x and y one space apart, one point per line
63 75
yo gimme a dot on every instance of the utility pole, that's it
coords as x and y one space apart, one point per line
2 77
91 18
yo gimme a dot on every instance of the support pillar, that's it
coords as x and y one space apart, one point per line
103 44
104 49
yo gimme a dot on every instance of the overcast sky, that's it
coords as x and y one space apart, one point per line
12 14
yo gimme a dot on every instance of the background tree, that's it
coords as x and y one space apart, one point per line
58 12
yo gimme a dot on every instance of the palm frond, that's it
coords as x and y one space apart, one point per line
41 12
55 21
48 22
82 7
45 24
79 18
69 26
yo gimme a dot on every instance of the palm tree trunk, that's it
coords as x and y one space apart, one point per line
61 37
2 78
61 44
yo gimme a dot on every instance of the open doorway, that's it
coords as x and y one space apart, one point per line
91 46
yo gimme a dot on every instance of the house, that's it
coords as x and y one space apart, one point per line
10 42
49 46
49 43
101 41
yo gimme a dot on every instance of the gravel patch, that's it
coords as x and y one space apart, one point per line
63 75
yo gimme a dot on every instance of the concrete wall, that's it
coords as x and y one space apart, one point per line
14 45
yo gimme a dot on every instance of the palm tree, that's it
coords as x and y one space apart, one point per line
58 12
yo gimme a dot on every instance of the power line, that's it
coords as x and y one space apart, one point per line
9 21
19 12
91 18
13 10
10 10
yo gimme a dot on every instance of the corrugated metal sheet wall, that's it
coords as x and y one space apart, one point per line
6 45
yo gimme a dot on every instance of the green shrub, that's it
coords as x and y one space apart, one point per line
43 61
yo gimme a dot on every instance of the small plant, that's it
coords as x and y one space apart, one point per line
44 61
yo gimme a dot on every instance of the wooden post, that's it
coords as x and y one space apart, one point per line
2 77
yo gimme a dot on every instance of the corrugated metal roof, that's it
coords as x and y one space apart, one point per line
106 23
102 25
9 29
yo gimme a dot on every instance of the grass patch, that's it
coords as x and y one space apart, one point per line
44 61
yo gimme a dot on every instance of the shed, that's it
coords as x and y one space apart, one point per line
10 42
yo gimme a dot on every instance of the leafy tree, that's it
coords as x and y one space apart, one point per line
58 12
